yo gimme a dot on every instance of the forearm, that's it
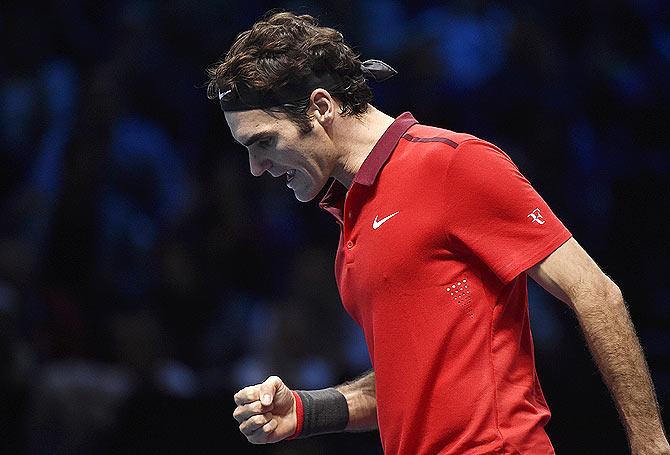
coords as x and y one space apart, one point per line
610 335
362 402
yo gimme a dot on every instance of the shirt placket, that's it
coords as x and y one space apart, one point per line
348 226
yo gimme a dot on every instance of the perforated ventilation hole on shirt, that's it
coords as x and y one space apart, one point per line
460 292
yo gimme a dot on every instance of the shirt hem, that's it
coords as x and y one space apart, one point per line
552 246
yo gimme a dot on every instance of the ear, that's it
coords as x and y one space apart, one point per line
322 107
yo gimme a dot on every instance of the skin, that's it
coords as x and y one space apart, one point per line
336 147
573 277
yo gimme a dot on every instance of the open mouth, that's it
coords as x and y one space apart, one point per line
289 175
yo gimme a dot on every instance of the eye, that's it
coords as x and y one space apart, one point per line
265 143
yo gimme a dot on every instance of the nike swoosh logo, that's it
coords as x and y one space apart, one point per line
376 223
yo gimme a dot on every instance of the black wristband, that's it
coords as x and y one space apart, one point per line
324 411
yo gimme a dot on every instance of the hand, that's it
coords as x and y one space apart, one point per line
266 412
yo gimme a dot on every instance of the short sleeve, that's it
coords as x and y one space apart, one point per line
493 212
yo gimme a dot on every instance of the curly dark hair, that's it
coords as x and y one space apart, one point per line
283 47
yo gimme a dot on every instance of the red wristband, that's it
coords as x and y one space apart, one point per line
299 414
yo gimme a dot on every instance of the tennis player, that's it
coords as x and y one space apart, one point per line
439 231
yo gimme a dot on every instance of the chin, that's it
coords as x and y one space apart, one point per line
306 194
303 197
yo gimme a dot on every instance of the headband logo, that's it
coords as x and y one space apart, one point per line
221 95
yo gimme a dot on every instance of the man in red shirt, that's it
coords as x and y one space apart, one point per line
438 232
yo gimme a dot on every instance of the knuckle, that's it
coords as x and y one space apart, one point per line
258 419
246 394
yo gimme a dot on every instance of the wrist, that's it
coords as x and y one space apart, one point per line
319 412
298 412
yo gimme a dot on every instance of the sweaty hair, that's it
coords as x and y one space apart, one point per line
284 47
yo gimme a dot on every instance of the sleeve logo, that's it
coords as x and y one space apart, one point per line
535 216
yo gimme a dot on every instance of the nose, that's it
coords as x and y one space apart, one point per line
258 166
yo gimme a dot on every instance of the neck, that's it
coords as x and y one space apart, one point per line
356 136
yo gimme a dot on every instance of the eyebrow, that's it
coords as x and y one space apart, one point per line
253 138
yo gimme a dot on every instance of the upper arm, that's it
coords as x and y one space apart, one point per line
571 275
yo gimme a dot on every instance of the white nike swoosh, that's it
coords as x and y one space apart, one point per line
221 95
376 224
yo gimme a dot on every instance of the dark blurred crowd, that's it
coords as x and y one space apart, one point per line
145 275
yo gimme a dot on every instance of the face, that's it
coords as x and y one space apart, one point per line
276 145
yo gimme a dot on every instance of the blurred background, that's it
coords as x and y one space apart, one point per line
145 275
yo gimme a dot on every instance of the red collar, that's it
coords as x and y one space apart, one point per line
367 174
370 168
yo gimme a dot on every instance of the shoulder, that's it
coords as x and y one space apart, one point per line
445 149
430 137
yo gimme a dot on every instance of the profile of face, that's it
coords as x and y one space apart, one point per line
276 145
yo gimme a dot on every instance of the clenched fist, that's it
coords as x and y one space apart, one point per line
266 412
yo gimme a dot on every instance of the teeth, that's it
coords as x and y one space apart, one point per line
290 174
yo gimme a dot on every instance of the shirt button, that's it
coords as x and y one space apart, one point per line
350 244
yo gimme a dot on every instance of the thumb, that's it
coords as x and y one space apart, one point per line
268 389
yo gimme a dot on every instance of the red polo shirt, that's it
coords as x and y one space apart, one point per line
437 230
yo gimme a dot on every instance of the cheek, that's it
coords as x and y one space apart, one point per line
302 161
